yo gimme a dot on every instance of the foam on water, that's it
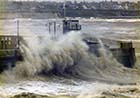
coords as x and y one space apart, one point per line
81 89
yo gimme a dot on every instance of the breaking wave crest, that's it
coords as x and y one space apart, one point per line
69 56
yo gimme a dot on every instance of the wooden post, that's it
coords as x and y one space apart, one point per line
49 27
64 8
18 37
54 27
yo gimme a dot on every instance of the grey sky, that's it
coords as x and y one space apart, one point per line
74 0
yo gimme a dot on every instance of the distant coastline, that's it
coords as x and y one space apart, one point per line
43 10
57 15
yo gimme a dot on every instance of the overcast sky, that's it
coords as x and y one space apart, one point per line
73 0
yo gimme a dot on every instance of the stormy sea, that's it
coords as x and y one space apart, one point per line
58 65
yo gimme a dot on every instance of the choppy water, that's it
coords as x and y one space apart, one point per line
71 69
104 27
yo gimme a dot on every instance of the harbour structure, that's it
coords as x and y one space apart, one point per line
71 25
124 51
136 45
9 51
132 46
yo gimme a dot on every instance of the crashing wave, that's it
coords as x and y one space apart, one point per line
69 56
